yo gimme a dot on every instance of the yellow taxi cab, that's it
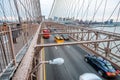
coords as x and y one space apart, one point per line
59 39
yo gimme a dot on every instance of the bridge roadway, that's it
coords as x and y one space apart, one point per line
73 66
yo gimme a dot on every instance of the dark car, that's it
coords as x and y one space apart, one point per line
101 65
65 36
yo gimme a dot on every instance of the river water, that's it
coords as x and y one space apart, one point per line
110 29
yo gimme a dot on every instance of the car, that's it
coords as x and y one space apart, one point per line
89 76
58 39
46 33
65 36
102 66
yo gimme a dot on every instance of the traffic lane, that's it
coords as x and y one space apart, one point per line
55 72
79 65
66 72
50 40
72 68
77 48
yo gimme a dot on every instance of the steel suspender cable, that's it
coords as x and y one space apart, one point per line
52 8
25 8
104 13
117 19
114 10
12 11
70 8
75 8
80 9
86 11
31 10
69 5
66 8
66 4
72 11
97 10
18 13
3 10
95 6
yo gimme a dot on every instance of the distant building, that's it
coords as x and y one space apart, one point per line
111 21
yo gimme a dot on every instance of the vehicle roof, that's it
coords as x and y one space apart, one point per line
103 60
100 59
90 76
107 66
58 37
46 30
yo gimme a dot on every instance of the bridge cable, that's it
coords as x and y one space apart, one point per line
11 9
71 8
117 19
53 5
86 11
77 8
104 13
25 8
113 11
96 10
67 7
26 11
80 9
30 8
3 10
73 13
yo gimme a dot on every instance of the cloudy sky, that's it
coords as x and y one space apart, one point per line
63 7
46 6
71 8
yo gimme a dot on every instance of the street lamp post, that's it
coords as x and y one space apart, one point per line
58 61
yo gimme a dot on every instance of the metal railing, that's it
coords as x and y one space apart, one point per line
88 38
12 40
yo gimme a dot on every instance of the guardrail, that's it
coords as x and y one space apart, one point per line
12 40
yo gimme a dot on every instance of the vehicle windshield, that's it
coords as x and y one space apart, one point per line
110 66
65 35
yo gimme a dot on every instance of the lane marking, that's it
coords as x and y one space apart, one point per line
44 64
43 59
56 47
68 46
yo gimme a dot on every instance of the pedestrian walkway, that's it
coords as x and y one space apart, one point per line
20 48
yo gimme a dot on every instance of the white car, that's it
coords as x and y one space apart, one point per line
89 76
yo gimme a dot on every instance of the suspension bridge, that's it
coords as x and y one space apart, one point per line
25 52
